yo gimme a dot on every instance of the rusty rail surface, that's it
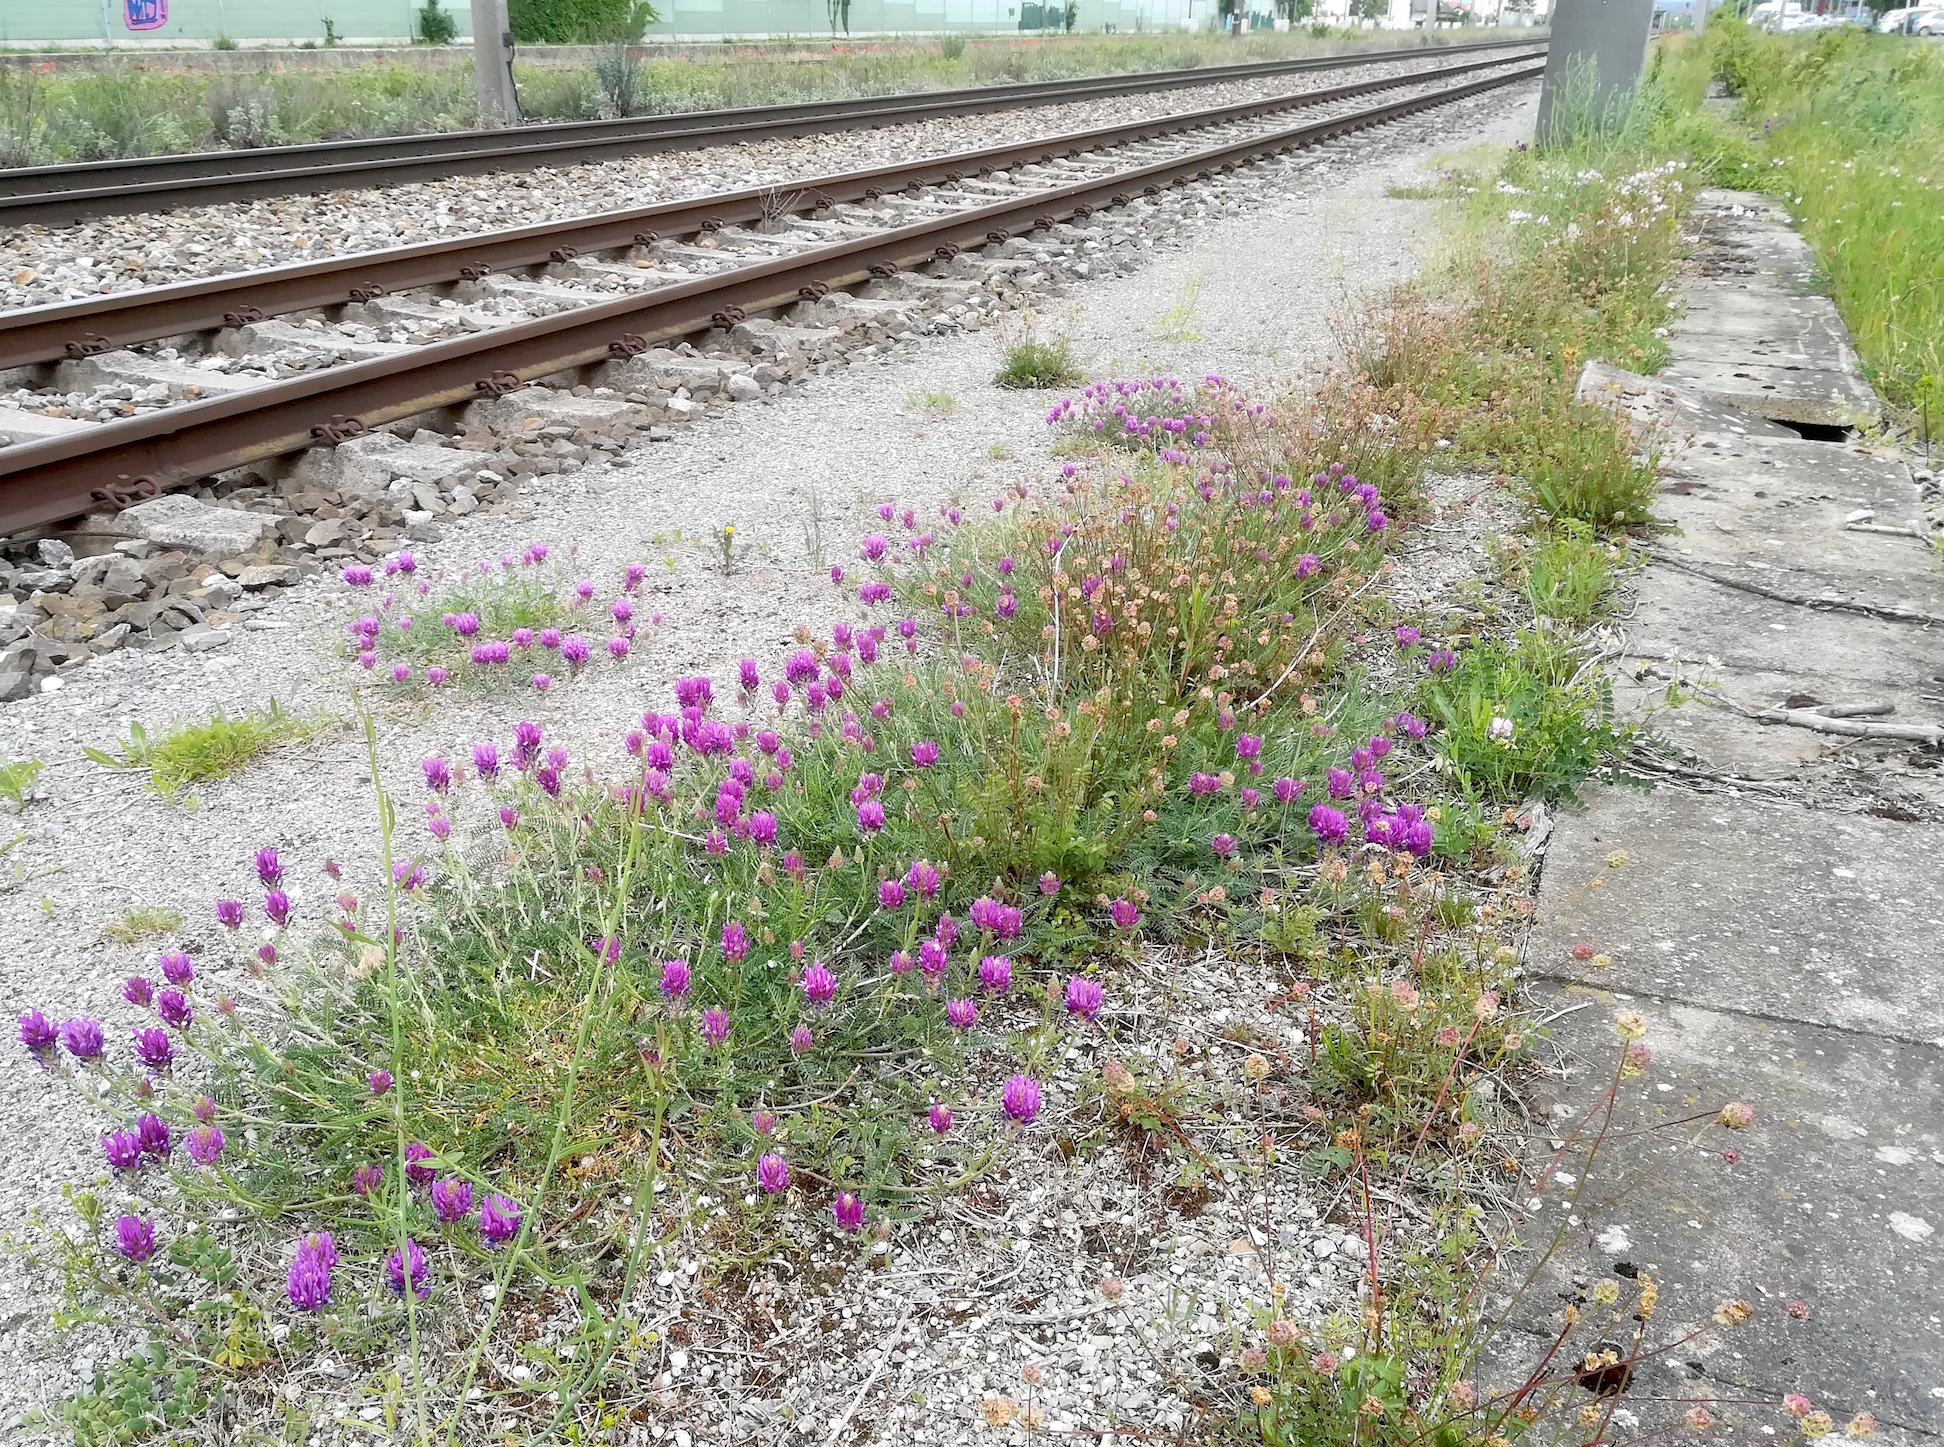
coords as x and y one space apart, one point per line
61 194
118 462
34 335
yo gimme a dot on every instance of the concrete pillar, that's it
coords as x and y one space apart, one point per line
1593 61
498 104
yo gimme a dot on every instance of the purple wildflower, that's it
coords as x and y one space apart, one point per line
416 1155
366 1179
154 1048
1329 825
674 978
962 1014
268 867
408 1261
995 973
276 907
773 1173
229 913
924 753
1083 997
123 1148
153 1132
849 1213
176 968
891 894
1021 1098
308 1287
819 985
173 1006
715 1025
204 1144
452 1199
380 1081
134 1238
1124 914
37 1032
801 1040
499 1219
940 1117
1223 845
138 991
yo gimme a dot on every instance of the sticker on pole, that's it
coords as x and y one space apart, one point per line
145 14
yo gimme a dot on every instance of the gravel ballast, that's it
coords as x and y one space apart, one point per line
1267 265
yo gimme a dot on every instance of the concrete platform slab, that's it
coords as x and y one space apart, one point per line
1816 917
1833 1203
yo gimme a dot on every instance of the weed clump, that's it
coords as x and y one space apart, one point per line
187 754
1034 363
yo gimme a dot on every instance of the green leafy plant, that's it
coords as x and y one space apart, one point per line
187 754
1589 473
1568 574
1035 363
1517 717
17 781
436 24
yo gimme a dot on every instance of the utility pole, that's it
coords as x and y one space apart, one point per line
1593 59
499 104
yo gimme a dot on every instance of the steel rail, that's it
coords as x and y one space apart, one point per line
118 462
58 195
93 325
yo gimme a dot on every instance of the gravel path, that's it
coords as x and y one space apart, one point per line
97 844
39 266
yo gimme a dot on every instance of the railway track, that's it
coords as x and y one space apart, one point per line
897 218
59 195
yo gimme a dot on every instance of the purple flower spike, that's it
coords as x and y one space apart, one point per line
37 1032
747 675
309 1284
715 1025
123 1148
773 1173
204 1144
1049 884
870 816
134 1238
1083 997
761 1121
229 913
452 1199
962 1013
408 1261
941 1118
380 1081
276 908
1125 915
153 1132
366 1179
849 1213
735 939
154 1048
801 1040
1223 845
924 753
176 968
438 775
499 1219
675 978
891 894
1328 825
995 973
138 991
269 868
819 985
416 1155
173 1006
1021 1098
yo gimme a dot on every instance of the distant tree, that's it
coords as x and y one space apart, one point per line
435 25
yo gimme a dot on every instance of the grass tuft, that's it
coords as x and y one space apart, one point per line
187 754
1033 363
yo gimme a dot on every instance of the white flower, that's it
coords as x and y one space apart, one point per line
1500 730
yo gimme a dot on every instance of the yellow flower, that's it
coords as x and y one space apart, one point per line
1630 1025
1259 1394
1817 1424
